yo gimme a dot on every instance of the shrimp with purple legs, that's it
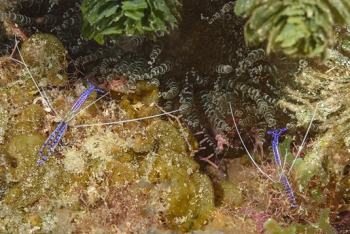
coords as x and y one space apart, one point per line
55 137
282 177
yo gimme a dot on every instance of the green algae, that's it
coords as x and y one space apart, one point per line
346 47
228 193
21 128
322 226
322 161
154 149
34 114
143 143
187 194
121 173
44 54
131 17
4 119
144 93
3 182
18 96
159 153
273 226
167 136
27 181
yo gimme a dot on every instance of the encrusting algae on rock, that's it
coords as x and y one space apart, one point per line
45 56
94 164
27 183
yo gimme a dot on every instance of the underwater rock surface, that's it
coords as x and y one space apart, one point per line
171 173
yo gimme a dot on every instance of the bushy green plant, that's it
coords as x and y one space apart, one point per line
297 27
113 18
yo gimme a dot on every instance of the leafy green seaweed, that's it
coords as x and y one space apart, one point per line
298 27
112 18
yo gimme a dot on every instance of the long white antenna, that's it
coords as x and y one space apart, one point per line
284 165
250 156
303 143
127 120
35 83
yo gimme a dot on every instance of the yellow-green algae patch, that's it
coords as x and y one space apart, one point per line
3 181
92 166
187 195
26 180
158 153
228 193
322 226
167 136
44 54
